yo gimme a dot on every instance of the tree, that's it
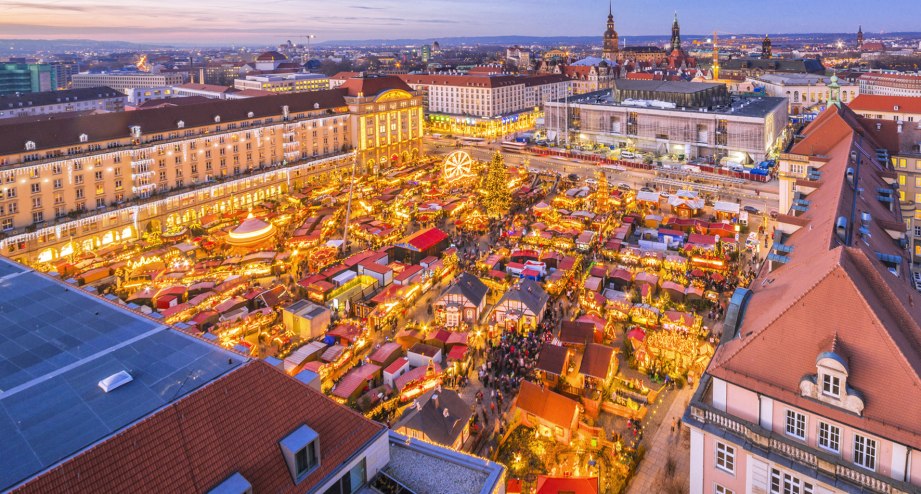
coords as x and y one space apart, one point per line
496 197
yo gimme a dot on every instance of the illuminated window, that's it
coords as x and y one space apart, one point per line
901 179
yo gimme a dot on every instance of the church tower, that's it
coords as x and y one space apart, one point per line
609 52
676 35
860 38
766 52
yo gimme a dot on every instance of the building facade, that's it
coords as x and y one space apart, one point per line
123 80
100 99
696 120
70 185
820 353
890 84
485 104
805 93
283 83
20 76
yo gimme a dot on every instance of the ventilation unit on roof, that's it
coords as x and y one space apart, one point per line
841 228
115 381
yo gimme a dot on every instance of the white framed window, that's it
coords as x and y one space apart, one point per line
829 437
865 452
831 385
718 489
796 424
785 483
725 457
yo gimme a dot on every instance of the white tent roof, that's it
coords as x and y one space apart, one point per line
726 207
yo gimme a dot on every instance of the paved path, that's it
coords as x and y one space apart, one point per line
664 443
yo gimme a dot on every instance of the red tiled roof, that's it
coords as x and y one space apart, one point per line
596 361
232 425
568 485
827 290
874 102
372 86
384 353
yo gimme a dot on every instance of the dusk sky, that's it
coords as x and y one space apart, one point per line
272 21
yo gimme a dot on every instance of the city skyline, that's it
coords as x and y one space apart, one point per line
273 21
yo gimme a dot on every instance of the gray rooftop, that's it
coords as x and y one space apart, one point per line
678 87
412 463
743 106
56 343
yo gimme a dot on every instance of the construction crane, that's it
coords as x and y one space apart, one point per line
308 37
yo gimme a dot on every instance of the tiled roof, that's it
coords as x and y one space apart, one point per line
443 416
596 361
469 287
27 100
552 407
569 485
231 425
481 80
371 86
552 358
873 102
827 290
66 131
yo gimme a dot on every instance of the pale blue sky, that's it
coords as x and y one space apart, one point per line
271 21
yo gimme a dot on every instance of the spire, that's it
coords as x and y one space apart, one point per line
610 8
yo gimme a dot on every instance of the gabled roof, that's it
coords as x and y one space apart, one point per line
371 86
439 426
827 289
174 450
552 358
468 286
552 407
529 293
596 361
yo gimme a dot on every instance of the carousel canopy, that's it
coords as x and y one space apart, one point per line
252 231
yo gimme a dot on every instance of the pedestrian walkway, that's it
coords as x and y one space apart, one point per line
651 475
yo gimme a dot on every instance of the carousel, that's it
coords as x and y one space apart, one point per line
251 232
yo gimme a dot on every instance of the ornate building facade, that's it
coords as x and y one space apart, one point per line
81 184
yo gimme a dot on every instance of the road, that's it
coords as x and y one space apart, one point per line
764 197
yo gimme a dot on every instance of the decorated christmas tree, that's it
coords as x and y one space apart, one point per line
496 197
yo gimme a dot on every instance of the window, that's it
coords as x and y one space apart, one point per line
305 459
36 188
725 457
785 483
829 437
718 489
796 424
831 385
865 452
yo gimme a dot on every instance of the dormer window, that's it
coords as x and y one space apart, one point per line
180 124
84 137
217 119
30 145
301 451
829 384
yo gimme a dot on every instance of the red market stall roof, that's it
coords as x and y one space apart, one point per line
458 352
175 309
354 380
636 334
682 318
423 240
701 239
386 351
573 485
347 332
457 338
647 278
417 373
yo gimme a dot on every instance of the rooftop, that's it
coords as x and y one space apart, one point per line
26 100
59 343
742 106
876 320
412 463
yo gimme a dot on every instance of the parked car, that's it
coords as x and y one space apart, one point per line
647 189
591 181
751 209
624 186
774 214
573 177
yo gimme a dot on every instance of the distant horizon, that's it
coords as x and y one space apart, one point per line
270 22
216 44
